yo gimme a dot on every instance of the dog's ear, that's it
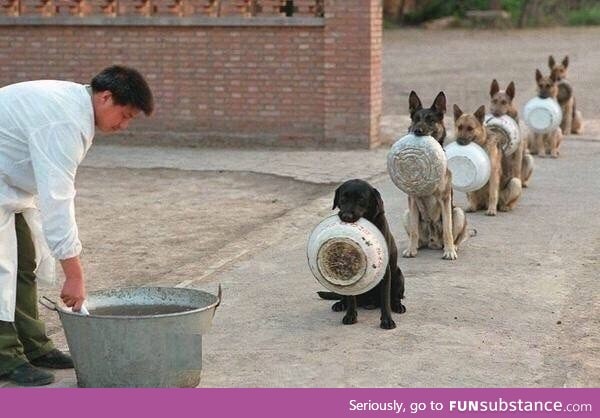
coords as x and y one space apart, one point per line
376 204
551 62
457 112
480 114
510 90
494 88
439 104
414 103
538 75
336 198
565 62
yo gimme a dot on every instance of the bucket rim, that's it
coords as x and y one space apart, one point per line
61 309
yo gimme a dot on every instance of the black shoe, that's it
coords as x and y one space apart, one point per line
54 359
27 375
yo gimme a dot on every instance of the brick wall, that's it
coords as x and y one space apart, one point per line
302 81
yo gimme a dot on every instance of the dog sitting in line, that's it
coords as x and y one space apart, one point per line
572 121
546 143
520 163
358 199
433 221
502 191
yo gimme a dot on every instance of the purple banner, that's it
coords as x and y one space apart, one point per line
301 403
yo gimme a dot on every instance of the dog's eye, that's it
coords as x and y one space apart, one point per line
469 128
460 127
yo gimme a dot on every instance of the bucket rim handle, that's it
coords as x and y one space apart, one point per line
48 303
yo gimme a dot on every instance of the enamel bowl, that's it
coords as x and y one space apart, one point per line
542 115
416 164
347 258
470 166
509 130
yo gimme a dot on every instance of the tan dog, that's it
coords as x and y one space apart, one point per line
433 221
572 121
548 143
520 163
502 191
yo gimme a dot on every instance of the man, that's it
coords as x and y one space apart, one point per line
46 128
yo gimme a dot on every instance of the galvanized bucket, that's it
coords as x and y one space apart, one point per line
139 349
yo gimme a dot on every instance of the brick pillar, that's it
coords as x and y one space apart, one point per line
353 50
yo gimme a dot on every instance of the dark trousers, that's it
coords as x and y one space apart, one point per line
25 339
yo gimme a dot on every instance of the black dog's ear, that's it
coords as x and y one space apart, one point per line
376 204
551 62
414 103
439 104
336 199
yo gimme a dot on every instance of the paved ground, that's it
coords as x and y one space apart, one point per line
520 306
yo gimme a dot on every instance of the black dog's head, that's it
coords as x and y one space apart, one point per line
357 199
428 121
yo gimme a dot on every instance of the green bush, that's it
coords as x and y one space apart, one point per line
584 17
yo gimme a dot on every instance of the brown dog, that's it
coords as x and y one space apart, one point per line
502 191
572 121
520 163
433 221
548 143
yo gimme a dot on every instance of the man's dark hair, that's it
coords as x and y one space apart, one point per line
127 86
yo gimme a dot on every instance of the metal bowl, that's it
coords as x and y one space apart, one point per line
470 166
542 115
416 164
509 129
347 258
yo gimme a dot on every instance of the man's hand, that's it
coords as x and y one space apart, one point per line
73 291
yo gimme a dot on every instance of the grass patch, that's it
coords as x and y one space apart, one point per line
584 17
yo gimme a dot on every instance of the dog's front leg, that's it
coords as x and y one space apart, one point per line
538 145
351 314
449 247
386 310
411 224
494 185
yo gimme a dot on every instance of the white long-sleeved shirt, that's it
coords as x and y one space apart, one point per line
46 128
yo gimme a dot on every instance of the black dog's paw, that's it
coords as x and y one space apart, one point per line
350 318
398 307
387 323
338 306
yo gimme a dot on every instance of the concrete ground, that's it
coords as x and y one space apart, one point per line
520 307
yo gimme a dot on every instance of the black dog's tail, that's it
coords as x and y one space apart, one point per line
329 296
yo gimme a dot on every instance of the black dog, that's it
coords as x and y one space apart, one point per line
358 199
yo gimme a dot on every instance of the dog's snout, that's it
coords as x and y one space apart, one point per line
348 217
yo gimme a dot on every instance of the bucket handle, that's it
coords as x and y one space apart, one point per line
219 299
48 303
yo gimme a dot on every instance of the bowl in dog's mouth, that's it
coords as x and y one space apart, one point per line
470 166
416 164
347 258
542 115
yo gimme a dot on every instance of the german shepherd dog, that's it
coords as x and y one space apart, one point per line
501 191
358 199
519 163
433 221
572 121
548 143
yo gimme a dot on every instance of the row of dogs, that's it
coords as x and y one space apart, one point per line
434 221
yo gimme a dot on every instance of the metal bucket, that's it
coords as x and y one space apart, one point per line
139 349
